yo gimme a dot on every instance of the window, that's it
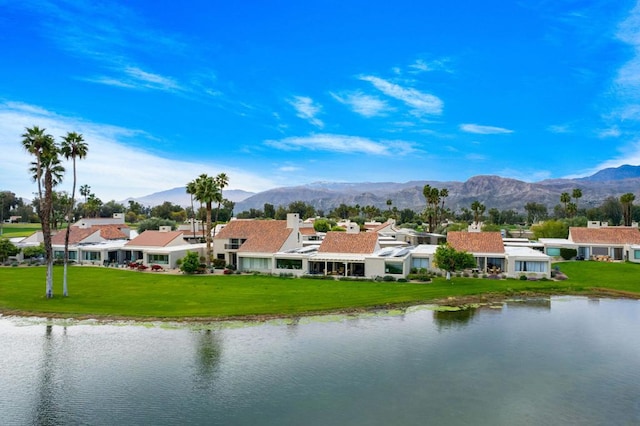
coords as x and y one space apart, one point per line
420 263
159 258
91 255
530 266
289 263
636 254
553 251
254 264
393 268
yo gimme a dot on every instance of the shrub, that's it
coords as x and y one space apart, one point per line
231 267
402 280
218 263
475 275
190 263
465 274
388 278
568 253
523 277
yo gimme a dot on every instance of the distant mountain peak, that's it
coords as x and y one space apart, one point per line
625 171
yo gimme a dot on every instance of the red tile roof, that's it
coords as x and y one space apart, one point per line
153 238
605 235
343 242
77 234
262 236
476 242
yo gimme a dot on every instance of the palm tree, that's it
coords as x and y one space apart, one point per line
72 146
444 193
478 210
85 190
565 198
576 194
207 192
221 181
191 190
627 203
47 172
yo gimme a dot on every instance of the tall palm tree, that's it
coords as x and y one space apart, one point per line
478 210
565 198
576 194
47 172
627 203
444 193
221 181
191 190
72 147
85 190
207 192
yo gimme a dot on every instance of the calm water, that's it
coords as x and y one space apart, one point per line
558 361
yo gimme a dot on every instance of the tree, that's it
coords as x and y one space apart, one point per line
110 207
576 194
535 212
611 210
321 225
7 248
154 223
449 259
191 190
627 207
478 210
85 190
222 181
550 229
444 193
207 192
432 197
565 198
46 172
269 211
72 147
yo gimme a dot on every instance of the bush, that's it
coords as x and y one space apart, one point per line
523 277
231 267
190 264
402 280
388 278
465 274
475 275
568 253
218 263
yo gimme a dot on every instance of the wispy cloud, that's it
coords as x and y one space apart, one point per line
422 103
363 104
117 164
289 169
422 65
559 128
484 130
475 157
627 82
307 109
343 144
611 132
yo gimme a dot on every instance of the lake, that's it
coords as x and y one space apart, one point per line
563 360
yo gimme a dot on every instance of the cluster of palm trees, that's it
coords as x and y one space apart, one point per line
571 207
207 190
435 210
47 171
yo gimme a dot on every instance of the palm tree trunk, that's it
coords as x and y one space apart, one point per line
209 234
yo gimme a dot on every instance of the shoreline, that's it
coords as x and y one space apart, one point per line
458 302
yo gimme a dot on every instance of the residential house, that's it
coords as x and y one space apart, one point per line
92 244
345 254
162 247
249 244
606 242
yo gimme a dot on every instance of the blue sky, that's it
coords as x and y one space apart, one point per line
283 93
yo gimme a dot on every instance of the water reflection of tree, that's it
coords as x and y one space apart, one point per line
45 409
208 355
446 320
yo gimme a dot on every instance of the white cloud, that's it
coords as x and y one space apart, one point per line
484 130
626 85
422 65
422 103
612 132
288 169
363 104
342 144
113 167
559 128
629 154
307 110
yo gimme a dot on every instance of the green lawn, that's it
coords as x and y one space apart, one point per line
96 291
11 230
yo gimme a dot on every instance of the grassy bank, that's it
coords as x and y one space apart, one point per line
106 292
11 230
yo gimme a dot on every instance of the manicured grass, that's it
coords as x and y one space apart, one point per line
11 230
107 292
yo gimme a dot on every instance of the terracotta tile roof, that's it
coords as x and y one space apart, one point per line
476 242
605 235
262 236
153 238
308 231
77 234
342 242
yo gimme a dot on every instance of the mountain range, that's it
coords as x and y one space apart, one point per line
493 191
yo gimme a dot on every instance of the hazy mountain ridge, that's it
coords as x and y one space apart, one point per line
493 191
